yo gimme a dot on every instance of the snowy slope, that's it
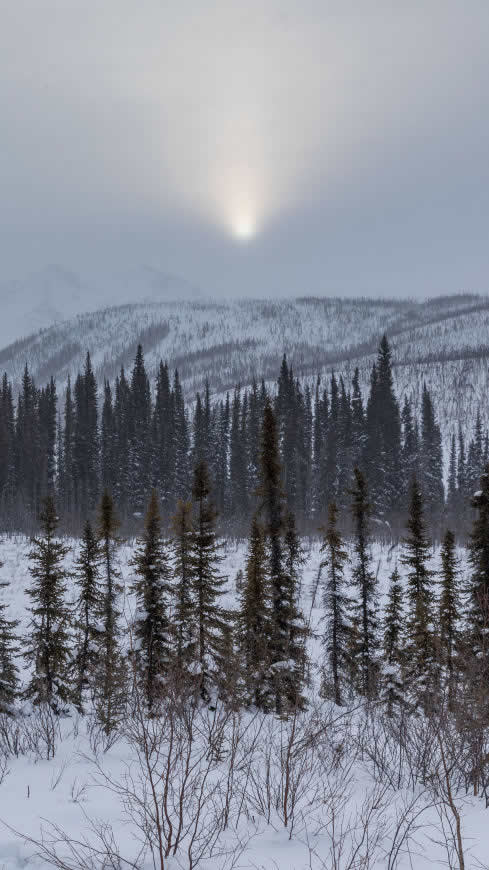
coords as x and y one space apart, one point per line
444 341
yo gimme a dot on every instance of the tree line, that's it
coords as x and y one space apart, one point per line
129 438
429 642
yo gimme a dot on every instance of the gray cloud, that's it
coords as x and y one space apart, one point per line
354 136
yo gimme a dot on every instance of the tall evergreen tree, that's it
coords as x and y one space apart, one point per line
9 648
89 609
47 643
184 610
211 617
477 632
366 606
86 440
392 676
152 589
284 672
336 608
432 461
108 447
419 627
383 436
449 609
110 691
253 617
140 453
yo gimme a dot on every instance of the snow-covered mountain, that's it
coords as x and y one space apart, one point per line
444 341
55 293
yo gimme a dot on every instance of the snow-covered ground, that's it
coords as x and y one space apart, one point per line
66 792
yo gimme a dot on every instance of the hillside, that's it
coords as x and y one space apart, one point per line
444 341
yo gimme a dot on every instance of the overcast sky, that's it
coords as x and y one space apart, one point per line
348 141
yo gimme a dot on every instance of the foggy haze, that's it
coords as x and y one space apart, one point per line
277 148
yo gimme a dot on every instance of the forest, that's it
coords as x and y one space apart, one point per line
392 680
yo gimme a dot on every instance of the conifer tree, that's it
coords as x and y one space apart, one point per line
295 673
449 609
383 435
152 588
211 618
365 608
432 461
86 440
87 576
392 677
357 421
283 669
180 445
477 633
336 607
140 458
253 617
419 628
9 648
184 611
109 469
47 643
111 672
68 494
452 480
163 458
409 447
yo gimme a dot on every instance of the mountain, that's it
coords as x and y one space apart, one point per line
55 294
443 341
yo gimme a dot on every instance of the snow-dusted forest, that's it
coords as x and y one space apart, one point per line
244 606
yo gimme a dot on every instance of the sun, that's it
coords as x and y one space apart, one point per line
244 228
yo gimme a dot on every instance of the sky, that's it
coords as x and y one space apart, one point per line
267 147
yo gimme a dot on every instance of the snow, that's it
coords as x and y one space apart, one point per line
65 791
442 342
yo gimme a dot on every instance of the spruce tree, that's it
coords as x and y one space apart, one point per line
184 611
392 675
431 461
449 609
253 617
211 617
152 588
87 577
366 606
336 607
383 435
111 673
68 494
47 644
9 648
478 586
139 428
419 628
285 676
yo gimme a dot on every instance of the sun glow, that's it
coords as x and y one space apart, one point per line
244 228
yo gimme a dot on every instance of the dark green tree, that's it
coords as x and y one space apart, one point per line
47 644
9 648
253 618
89 606
110 694
393 654
152 589
211 618
184 610
419 630
336 609
365 607
449 609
